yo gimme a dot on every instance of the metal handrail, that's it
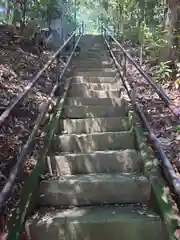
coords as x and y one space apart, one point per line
168 169
6 191
15 102
158 89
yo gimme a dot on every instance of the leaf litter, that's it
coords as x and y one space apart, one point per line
163 122
19 62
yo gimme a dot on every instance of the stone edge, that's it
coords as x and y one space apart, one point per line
150 167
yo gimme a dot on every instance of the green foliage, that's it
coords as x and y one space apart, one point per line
177 80
178 128
154 41
163 72
41 10
141 21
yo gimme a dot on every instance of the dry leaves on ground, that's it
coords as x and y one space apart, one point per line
162 120
19 62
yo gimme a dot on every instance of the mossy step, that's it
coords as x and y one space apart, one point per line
94 223
90 79
96 86
97 162
93 125
94 101
74 143
94 189
82 92
93 111
96 73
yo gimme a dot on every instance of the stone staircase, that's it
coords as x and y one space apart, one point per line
100 191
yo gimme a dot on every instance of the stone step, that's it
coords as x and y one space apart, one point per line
90 67
92 58
97 162
94 223
93 64
96 73
93 111
106 62
95 86
93 61
94 189
82 79
94 55
95 101
74 143
95 50
79 92
92 125
95 68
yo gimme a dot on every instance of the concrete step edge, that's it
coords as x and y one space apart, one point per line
124 161
93 189
94 134
94 152
128 222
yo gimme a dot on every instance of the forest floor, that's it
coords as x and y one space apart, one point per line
19 62
162 120
164 123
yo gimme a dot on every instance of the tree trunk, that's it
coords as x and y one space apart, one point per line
23 11
141 31
172 26
8 10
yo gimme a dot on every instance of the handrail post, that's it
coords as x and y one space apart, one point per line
101 29
124 65
82 27
105 32
58 67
